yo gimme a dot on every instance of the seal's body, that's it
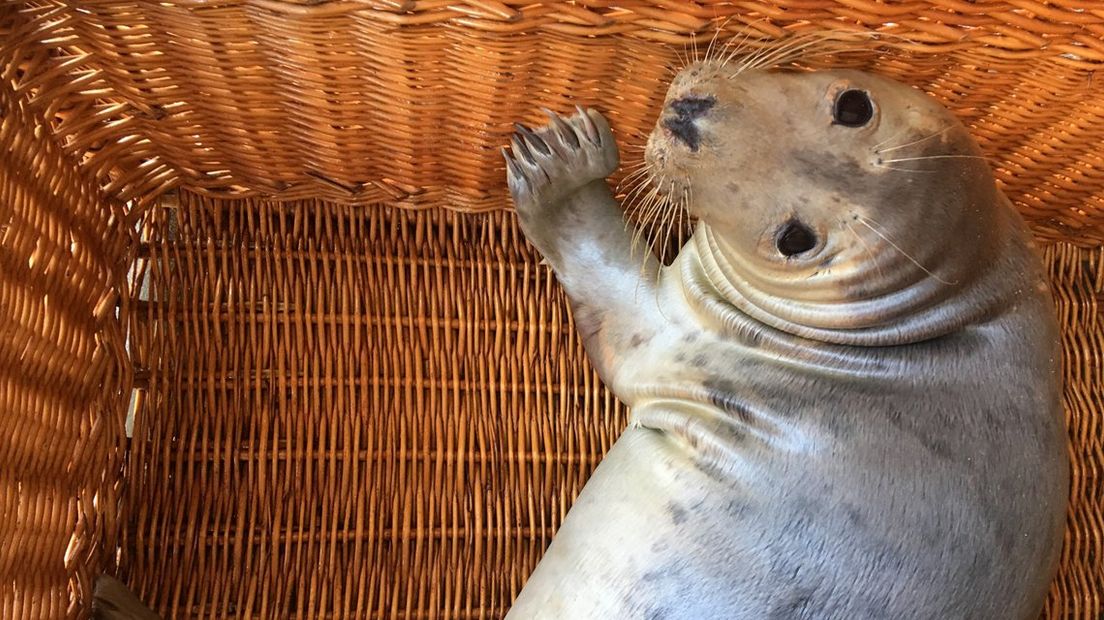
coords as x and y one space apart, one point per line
825 423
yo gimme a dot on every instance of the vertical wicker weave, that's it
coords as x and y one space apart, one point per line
276 228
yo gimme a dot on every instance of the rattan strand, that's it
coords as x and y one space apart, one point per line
406 101
64 374
283 469
373 412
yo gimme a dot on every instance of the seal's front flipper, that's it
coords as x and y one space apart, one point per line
112 600
548 166
557 176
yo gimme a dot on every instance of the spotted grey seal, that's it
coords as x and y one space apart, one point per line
844 391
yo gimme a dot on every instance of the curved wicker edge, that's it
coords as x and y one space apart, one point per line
1077 282
155 96
426 484
1009 29
65 373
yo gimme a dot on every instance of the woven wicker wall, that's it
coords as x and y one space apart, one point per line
64 376
347 409
362 411
407 101
342 413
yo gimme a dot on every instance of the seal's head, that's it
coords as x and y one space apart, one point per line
837 205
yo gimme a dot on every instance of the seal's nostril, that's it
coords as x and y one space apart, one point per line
687 110
685 130
690 108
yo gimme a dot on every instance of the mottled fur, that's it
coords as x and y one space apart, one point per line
869 430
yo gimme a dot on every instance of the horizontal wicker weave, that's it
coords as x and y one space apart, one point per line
348 408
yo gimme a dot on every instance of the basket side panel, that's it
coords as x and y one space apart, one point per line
338 418
64 373
381 413
1077 278
408 101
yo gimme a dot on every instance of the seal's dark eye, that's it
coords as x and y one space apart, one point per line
853 108
794 238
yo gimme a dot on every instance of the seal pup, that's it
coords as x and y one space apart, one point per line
844 391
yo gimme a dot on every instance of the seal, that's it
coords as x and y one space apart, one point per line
844 391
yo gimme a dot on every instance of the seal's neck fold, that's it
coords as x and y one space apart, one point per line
927 309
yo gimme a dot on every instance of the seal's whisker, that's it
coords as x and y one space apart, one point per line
638 233
863 220
654 216
655 227
776 56
879 150
632 180
792 48
890 139
684 213
683 56
753 60
635 192
717 48
741 46
866 248
812 51
631 177
729 52
644 211
926 157
722 51
713 40
667 221
895 169
641 179
626 187
637 200
678 225
805 45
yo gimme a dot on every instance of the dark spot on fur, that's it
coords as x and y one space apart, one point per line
678 513
794 606
699 361
690 337
722 394
938 446
754 338
680 357
692 107
854 516
685 131
637 340
829 168
715 470
737 508
733 188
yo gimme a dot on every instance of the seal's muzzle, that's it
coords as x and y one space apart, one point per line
687 110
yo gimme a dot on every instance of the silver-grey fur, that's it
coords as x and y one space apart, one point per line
874 432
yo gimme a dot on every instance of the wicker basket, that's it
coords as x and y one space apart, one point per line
276 233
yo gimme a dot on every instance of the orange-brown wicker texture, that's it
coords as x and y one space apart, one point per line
346 408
